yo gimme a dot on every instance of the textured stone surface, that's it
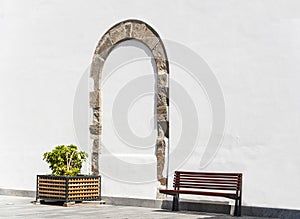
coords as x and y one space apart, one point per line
162 113
162 80
95 157
160 156
159 54
128 29
163 127
96 68
104 46
94 137
96 116
95 99
151 42
97 65
117 34
162 97
95 129
150 39
160 132
138 30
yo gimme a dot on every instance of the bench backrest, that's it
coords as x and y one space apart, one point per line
207 181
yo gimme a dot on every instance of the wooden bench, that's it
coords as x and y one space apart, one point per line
228 185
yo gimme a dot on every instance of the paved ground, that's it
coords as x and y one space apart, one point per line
20 207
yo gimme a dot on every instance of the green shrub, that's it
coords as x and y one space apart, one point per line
65 160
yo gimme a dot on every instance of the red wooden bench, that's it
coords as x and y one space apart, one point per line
228 185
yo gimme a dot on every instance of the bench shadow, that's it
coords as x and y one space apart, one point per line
194 213
205 207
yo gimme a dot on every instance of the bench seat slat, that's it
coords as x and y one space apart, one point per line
208 173
207 178
207 187
205 183
210 177
189 192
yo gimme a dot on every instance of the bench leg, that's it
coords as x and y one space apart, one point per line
175 202
239 213
237 207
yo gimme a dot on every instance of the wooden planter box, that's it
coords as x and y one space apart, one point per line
68 188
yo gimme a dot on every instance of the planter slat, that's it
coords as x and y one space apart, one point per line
52 180
83 181
51 188
82 192
55 196
45 183
83 184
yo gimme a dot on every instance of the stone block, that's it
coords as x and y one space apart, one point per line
117 34
162 100
162 80
159 52
128 29
163 129
160 156
163 90
96 67
162 113
104 46
138 30
95 99
94 137
150 39
162 67
96 116
163 181
160 148
160 132
151 42
96 146
95 129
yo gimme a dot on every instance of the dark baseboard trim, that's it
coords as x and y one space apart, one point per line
205 207
271 212
16 192
184 205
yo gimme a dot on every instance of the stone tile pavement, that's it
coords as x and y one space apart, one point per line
21 207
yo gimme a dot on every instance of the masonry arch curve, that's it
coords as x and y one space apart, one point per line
140 31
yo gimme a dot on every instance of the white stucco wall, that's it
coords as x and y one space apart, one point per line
252 47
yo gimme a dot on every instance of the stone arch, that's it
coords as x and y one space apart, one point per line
128 30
